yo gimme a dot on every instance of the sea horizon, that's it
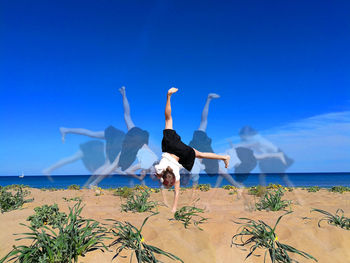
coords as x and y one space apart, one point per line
326 180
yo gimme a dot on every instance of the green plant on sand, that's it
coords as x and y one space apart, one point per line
15 186
272 201
278 186
257 190
338 219
11 201
124 191
130 238
229 187
47 215
203 187
187 213
340 189
77 198
75 238
74 187
260 235
313 189
51 189
138 202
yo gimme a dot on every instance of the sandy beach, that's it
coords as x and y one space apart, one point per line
213 244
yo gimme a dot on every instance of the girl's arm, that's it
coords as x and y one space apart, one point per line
176 195
132 172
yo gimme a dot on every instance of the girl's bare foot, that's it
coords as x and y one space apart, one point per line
227 160
63 134
213 96
122 90
239 193
172 90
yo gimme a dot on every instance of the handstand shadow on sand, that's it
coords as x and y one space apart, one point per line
121 149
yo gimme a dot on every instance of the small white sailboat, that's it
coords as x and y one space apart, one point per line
21 176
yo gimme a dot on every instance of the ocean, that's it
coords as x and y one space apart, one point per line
297 179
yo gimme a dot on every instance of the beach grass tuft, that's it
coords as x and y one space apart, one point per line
138 202
272 201
257 190
313 189
74 238
203 187
130 237
278 186
338 219
10 200
187 214
339 189
124 192
15 186
47 215
74 187
51 189
260 235
77 199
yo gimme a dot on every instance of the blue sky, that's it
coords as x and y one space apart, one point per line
274 63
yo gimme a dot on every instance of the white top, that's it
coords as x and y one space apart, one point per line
259 144
234 161
146 157
168 160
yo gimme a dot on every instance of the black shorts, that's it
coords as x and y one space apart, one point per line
275 165
134 140
248 160
114 140
201 142
93 154
172 143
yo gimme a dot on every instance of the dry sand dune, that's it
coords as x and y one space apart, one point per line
327 244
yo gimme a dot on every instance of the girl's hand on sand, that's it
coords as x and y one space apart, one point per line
173 210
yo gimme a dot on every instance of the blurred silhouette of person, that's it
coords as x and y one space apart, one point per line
91 153
177 155
244 160
113 138
124 149
201 142
274 161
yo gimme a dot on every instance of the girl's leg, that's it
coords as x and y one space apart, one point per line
95 175
223 174
262 179
279 155
127 117
204 117
201 155
93 134
168 118
218 181
77 156
105 170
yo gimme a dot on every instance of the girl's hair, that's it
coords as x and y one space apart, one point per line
247 131
168 177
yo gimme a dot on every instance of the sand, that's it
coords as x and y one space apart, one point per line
327 244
